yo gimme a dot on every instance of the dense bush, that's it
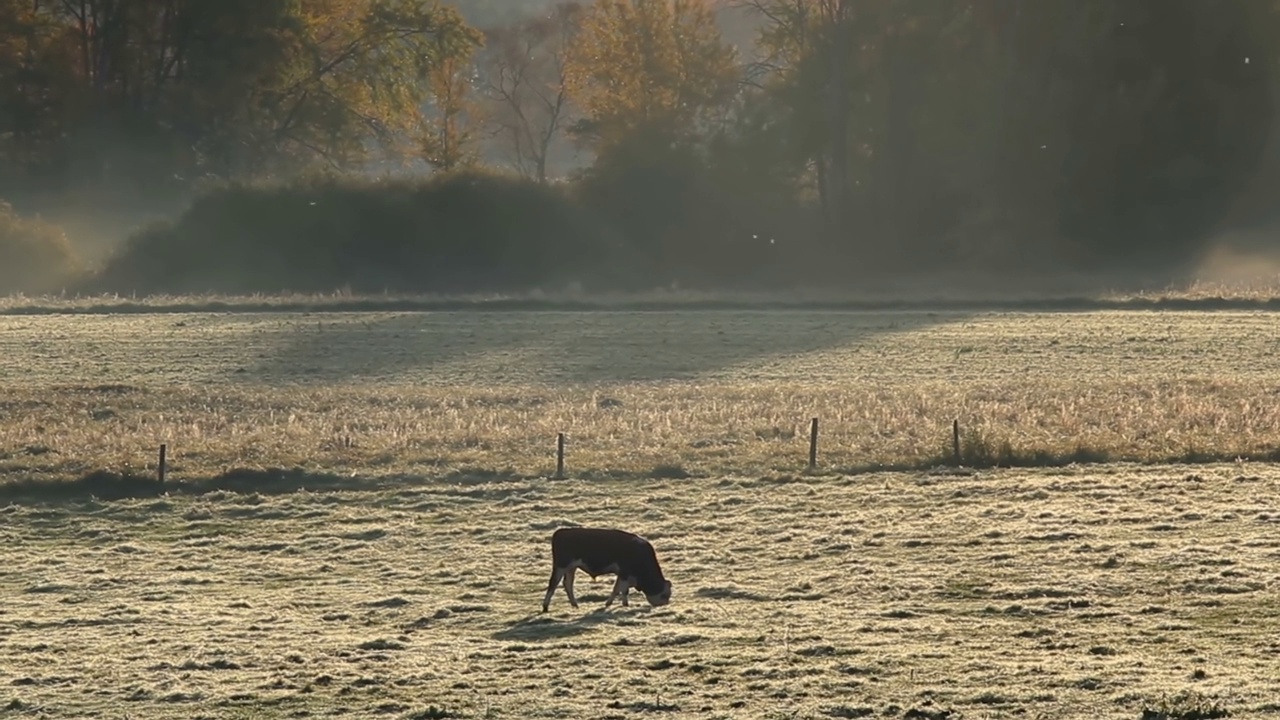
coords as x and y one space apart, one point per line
35 256
634 221
635 227
462 232
686 223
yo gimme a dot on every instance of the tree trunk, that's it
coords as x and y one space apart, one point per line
838 121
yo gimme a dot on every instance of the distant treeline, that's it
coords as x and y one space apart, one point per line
629 141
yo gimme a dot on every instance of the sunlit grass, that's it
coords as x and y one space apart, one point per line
709 392
1067 593
412 588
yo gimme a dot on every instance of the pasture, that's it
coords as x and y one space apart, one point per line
394 564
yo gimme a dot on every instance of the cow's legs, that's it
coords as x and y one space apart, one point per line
568 585
556 575
618 586
626 588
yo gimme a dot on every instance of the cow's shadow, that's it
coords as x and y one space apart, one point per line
546 626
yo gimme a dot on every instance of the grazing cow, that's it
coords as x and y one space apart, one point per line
606 552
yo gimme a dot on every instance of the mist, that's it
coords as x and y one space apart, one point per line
966 150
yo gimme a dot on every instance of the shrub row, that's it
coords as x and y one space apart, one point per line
463 232
474 232
645 224
35 256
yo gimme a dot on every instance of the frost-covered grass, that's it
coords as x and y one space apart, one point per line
1064 593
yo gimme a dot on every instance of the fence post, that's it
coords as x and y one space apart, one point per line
955 440
160 470
559 456
813 444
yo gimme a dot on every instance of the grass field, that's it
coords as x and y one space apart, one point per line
705 393
405 580
1055 594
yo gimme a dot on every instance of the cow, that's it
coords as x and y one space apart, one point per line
600 551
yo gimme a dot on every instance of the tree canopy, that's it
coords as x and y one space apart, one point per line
149 90
871 134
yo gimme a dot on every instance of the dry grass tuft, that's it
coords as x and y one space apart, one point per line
1186 705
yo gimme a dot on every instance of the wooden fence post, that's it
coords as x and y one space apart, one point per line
560 456
813 444
955 440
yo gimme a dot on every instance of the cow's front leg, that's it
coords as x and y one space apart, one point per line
626 589
618 585
556 575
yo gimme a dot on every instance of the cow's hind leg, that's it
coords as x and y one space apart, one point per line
618 585
568 585
556 575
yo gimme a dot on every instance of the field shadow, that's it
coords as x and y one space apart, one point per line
99 484
730 593
325 348
107 486
580 347
541 627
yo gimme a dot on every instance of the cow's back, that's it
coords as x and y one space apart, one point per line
597 549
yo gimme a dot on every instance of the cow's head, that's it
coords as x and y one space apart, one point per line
662 597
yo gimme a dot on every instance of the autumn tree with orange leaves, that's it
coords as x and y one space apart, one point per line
656 69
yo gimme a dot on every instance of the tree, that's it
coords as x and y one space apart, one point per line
525 71
653 80
495 13
820 60
354 74
1017 131
889 104
36 76
152 89
448 129
656 69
